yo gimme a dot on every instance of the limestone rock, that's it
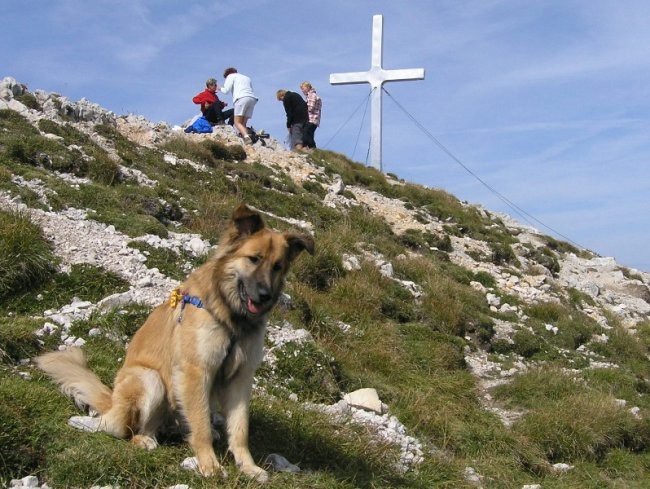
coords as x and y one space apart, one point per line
365 399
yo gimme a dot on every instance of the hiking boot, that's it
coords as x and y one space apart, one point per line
248 141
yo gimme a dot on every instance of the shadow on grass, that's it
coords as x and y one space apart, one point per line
310 440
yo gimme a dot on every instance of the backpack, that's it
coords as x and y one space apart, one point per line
255 136
200 125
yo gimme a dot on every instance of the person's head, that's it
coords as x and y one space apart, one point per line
280 94
229 71
305 87
211 83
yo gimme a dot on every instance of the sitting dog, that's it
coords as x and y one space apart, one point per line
199 349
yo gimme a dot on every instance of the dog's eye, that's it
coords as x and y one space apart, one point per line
254 259
277 266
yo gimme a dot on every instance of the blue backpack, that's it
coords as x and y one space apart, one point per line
201 125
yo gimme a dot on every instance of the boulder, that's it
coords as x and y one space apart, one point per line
366 399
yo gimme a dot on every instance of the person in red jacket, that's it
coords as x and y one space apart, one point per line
211 106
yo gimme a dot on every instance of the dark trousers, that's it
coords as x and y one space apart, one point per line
308 136
215 115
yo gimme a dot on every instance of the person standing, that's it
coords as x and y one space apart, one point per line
297 116
211 106
314 105
243 97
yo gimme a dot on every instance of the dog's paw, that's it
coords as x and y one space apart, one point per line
146 442
256 473
85 423
207 466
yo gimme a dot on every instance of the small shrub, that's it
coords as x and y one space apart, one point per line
561 246
412 238
17 339
315 188
237 152
545 257
66 131
501 346
503 254
320 270
577 298
526 343
29 100
484 278
397 303
103 170
25 256
167 261
84 281
308 372
218 151
537 387
582 426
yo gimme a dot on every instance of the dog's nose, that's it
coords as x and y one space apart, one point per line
263 292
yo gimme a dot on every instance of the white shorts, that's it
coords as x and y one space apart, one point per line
244 106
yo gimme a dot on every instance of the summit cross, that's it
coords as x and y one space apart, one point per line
376 76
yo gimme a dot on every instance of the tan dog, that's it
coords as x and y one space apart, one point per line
199 349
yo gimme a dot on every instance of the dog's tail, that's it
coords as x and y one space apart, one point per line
68 369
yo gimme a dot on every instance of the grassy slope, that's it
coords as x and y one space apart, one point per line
411 352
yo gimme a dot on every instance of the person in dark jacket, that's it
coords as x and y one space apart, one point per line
211 106
297 116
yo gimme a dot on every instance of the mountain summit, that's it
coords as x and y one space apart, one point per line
428 342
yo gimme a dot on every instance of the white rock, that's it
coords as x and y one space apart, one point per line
478 286
85 423
531 486
365 399
471 476
351 263
29 481
492 299
636 412
337 187
190 463
197 246
562 467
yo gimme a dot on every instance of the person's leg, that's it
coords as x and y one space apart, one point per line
297 137
309 135
240 125
229 116
243 112
211 114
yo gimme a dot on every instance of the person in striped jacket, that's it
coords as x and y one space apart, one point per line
314 104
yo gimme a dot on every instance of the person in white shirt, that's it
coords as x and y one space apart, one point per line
243 97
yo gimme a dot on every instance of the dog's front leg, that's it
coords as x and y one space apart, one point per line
195 384
234 398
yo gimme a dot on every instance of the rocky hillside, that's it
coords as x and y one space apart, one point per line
428 342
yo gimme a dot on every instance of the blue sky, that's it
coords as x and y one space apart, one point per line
547 101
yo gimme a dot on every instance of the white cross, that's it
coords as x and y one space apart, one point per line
376 76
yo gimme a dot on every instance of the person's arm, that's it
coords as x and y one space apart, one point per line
227 84
288 110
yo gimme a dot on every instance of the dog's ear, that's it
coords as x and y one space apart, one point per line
245 221
297 243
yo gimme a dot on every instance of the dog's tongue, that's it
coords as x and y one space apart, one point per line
251 307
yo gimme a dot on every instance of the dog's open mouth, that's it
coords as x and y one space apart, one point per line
251 306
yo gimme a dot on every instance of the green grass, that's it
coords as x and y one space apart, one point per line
411 350
22 144
168 262
85 282
25 256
